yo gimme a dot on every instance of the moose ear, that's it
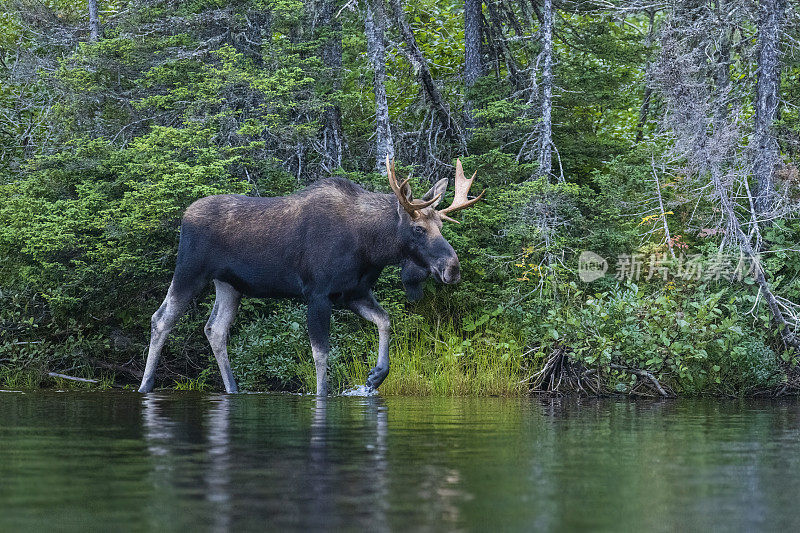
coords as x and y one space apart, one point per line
436 190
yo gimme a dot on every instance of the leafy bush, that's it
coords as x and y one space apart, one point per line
693 341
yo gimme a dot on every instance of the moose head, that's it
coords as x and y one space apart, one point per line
427 252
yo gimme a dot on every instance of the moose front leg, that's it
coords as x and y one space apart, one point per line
319 328
370 309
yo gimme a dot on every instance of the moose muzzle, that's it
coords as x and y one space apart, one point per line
448 271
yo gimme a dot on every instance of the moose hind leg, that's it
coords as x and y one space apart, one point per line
163 320
319 328
370 309
218 326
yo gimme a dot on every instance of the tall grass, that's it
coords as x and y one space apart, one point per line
20 379
36 378
443 360
438 359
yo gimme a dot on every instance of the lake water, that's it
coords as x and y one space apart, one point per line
206 462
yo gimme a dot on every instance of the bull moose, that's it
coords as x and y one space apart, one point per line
326 244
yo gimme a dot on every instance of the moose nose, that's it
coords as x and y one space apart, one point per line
451 273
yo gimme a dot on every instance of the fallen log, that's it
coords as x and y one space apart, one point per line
71 378
643 374
137 374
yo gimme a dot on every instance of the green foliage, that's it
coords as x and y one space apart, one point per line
200 383
784 264
483 357
93 226
272 351
94 216
104 144
693 340
14 378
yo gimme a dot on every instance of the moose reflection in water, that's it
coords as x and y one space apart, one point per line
326 244
308 466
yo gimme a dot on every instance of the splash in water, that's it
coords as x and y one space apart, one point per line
361 390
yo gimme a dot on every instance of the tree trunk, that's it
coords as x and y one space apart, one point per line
250 41
94 22
375 26
722 74
644 111
473 61
494 59
512 17
420 64
499 41
764 144
546 137
332 137
778 318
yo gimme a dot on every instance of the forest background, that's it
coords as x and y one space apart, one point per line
661 136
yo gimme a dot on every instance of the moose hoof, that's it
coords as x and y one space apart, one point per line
376 377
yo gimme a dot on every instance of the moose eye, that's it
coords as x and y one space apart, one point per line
419 230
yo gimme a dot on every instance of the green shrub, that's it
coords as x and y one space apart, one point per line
694 341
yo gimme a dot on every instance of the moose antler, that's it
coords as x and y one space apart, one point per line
460 199
403 192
